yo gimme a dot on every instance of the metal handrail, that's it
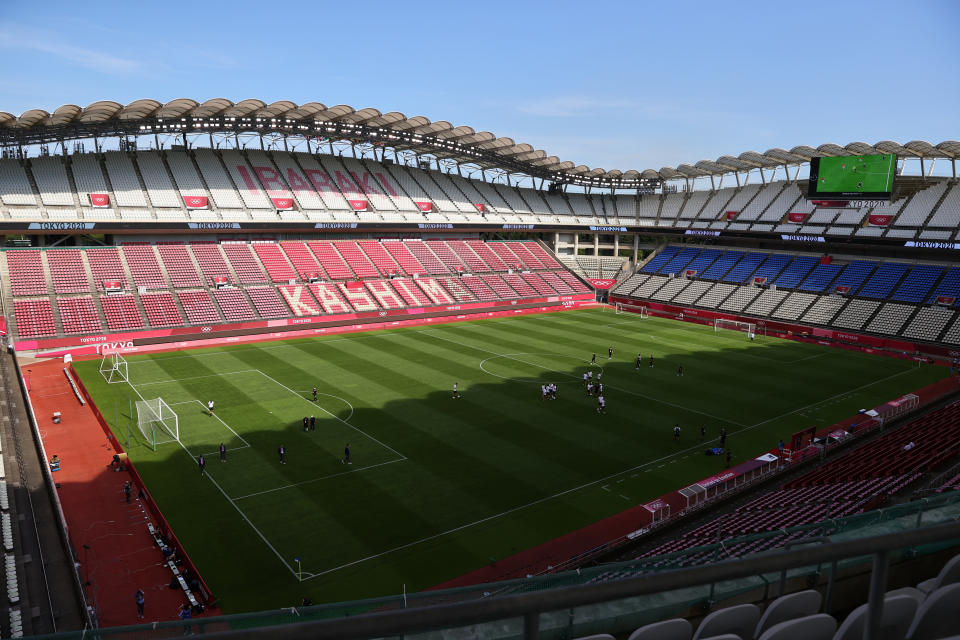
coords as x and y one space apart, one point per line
529 606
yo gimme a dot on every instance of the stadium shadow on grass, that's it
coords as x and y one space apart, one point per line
440 486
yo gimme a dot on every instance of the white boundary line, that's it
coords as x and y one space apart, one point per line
231 501
319 478
489 518
335 417
673 456
212 375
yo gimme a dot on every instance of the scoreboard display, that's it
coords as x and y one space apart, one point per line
852 177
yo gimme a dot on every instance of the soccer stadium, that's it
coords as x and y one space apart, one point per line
280 368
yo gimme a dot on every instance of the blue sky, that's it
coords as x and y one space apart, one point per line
613 84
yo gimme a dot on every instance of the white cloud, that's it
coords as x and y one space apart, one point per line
28 40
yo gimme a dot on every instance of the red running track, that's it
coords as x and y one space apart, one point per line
122 556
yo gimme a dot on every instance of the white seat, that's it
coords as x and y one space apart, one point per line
898 613
676 629
937 616
948 575
819 626
788 607
740 620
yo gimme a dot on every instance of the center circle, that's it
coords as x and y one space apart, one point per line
538 368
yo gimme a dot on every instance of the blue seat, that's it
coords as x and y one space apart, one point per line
918 283
745 268
884 279
820 278
724 263
796 271
854 274
660 259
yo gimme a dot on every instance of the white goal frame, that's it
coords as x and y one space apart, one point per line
157 422
114 368
749 328
643 313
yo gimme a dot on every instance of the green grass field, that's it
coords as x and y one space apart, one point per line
439 486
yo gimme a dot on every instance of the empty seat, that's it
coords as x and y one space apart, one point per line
740 619
161 309
815 627
676 629
121 312
898 613
79 315
789 607
937 616
949 574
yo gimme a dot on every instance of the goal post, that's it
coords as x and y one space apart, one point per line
642 310
748 328
157 422
114 368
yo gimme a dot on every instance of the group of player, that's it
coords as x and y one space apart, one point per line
548 391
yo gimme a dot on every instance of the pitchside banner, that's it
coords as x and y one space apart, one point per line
601 283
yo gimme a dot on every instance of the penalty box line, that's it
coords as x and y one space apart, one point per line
334 416
232 502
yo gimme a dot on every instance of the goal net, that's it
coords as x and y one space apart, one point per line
747 328
640 310
113 368
157 422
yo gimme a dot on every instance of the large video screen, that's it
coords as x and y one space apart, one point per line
852 177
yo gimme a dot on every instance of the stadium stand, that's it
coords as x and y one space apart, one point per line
161 309
79 315
121 312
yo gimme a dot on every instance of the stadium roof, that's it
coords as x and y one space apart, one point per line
440 138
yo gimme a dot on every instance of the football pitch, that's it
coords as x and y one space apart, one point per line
439 486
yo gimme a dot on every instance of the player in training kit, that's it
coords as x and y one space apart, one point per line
282 452
306 423
552 391
676 431
346 454
456 391
223 452
680 371
543 392
314 394
210 407
593 360
651 361
601 405
313 423
639 361
609 353
703 432
585 381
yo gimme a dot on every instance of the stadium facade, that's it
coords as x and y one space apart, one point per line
148 226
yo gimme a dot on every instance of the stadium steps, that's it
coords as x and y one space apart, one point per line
234 276
206 187
102 167
143 185
933 209
35 188
74 190
128 274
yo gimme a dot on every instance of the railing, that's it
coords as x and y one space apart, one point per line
530 606
574 603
